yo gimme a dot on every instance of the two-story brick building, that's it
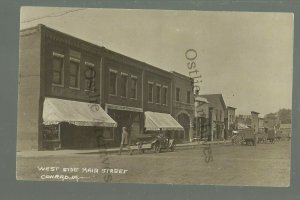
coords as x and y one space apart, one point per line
183 108
59 90
72 92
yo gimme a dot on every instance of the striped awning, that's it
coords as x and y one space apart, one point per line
74 112
155 121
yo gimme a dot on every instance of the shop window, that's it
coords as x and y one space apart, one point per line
113 82
150 92
74 73
133 87
164 95
123 84
158 94
177 94
58 69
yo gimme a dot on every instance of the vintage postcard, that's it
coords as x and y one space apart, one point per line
155 96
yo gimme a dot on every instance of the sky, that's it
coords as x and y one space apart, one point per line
245 56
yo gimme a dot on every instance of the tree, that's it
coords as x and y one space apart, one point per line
271 116
285 116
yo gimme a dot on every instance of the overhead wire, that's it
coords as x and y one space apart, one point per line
53 15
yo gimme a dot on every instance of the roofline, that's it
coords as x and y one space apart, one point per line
222 99
180 75
95 45
255 112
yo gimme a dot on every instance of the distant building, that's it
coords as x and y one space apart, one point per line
217 110
255 120
244 119
202 125
229 121
261 122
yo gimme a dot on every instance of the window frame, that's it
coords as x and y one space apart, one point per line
126 85
188 97
91 66
116 82
177 100
165 87
158 86
60 56
75 60
136 79
152 97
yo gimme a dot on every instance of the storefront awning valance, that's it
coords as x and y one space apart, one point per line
77 113
154 121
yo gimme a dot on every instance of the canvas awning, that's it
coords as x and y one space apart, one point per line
154 121
74 112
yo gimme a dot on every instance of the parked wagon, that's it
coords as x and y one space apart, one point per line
246 136
271 136
262 135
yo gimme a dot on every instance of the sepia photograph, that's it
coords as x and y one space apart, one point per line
155 96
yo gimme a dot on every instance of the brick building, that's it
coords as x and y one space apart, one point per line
72 92
183 103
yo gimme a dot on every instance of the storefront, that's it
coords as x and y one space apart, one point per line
74 125
125 116
155 122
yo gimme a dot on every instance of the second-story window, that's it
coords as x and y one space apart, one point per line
177 94
150 92
90 75
74 73
58 69
113 82
133 87
164 95
188 97
123 84
158 97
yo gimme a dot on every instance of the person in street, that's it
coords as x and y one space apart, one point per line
124 141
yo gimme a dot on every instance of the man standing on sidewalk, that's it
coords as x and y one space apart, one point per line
124 141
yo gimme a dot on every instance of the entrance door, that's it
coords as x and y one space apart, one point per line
184 121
